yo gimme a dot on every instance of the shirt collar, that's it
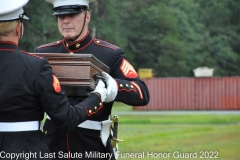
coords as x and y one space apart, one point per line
78 45
8 45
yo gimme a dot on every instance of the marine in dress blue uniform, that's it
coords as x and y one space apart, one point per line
131 89
28 88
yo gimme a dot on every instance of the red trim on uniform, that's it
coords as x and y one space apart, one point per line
9 42
139 89
13 50
85 36
30 54
75 42
66 48
127 90
78 49
85 46
105 45
50 44
56 84
68 148
127 69
89 114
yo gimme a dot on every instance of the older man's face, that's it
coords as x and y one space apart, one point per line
70 25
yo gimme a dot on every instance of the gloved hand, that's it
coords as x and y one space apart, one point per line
101 89
112 88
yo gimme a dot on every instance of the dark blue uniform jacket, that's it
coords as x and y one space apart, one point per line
131 91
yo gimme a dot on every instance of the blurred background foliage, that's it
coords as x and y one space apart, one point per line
171 36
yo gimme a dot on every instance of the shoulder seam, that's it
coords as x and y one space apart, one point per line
31 54
51 44
112 46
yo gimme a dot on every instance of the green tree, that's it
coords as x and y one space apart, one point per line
41 28
222 21
106 23
153 37
192 32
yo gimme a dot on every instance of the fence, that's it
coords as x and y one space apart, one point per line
212 93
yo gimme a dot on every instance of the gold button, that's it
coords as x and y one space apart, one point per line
121 85
90 111
127 85
67 45
71 53
95 108
45 132
100 104
77 45
131 86
98 41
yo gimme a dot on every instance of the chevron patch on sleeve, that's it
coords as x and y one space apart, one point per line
56 84
128 70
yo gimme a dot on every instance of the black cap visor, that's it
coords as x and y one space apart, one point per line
72 9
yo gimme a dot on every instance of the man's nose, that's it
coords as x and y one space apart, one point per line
66 18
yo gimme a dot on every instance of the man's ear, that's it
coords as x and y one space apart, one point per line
18 29
88 17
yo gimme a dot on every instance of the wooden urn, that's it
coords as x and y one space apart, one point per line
75 72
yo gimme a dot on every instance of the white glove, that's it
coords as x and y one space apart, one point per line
112 88
100 88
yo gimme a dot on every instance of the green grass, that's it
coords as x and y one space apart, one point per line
223 139
197 119
119 107
159 136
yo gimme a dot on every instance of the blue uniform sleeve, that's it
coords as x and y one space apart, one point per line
131 89
55 102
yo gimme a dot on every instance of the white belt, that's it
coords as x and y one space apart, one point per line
88 124
103 126
19 126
